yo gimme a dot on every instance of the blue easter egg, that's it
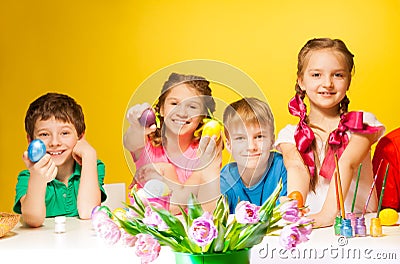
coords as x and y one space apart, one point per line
36 150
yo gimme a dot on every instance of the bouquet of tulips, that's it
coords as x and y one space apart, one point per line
200 232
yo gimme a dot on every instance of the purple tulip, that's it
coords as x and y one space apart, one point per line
290 236
147 248
154 219
247 213
305 228
203 230
289 211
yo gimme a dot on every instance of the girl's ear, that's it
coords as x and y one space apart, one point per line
300 83
161 111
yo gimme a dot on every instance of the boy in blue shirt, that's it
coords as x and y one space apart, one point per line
257 169
68 179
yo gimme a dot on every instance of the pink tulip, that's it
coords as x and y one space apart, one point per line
203 230
147 248
290 236
247 213
154 219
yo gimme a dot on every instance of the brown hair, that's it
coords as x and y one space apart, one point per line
200 84
61 106
250 111
302 61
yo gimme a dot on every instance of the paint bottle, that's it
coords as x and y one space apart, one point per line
376 227
337 225
59 224
346 230
360 229
352 217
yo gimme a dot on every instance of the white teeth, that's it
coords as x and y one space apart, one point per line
55 153
180 122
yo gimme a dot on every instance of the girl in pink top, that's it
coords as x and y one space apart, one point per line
324 72
188 163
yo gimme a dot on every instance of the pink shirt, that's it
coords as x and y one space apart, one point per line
184 164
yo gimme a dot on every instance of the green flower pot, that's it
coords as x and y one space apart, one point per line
241 256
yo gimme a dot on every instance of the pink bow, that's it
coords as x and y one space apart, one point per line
303 135
338 139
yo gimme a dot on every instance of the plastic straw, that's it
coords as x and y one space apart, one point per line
370 191
383 190
355 191
340 188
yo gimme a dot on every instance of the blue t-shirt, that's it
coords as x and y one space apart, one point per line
233 187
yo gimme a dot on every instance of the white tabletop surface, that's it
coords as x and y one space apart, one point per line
79 243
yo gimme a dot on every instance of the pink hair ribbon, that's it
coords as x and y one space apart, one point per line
303 135
338 139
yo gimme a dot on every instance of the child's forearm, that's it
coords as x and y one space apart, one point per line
33 206
134 138
89 194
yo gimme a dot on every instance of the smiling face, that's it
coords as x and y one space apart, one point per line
325 79
250 145
59 137
183 109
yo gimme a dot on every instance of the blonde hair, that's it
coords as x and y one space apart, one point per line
250 111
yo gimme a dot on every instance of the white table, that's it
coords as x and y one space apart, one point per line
79 243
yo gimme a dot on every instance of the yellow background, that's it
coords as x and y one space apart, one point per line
100 51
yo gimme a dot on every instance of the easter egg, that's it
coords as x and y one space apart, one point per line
156 188
212 128
388 216
147 118
36 150
296 195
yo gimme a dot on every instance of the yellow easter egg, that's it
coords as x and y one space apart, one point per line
388 216
212 128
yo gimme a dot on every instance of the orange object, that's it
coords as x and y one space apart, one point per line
297 196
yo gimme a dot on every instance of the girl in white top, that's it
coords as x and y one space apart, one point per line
324 72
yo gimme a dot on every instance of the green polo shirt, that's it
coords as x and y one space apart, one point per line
60 199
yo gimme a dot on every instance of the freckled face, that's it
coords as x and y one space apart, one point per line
60 138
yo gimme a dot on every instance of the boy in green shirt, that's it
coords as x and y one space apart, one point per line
68 179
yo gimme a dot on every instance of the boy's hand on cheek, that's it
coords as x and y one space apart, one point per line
44 170
83 150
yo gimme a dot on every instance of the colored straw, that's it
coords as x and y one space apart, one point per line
340 188
382 191
372 188
355 191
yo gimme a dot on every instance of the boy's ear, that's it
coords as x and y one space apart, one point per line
81 136
228 145
28 138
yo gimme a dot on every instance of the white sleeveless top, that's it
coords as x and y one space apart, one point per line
316 200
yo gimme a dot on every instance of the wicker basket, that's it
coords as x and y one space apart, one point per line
7 222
